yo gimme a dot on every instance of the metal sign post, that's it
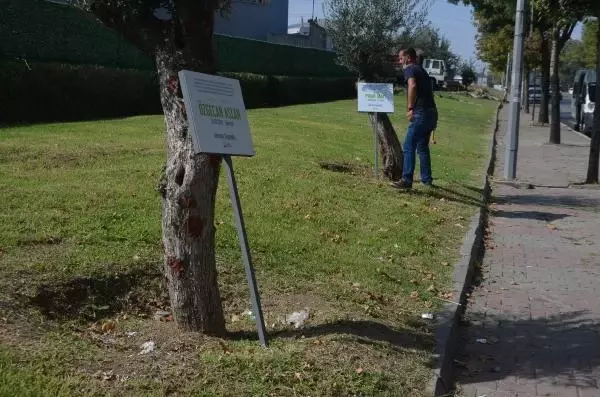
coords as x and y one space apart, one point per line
376 98
241 229
376 165
219 125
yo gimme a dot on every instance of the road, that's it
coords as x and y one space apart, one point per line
565 111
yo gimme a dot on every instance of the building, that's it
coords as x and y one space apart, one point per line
251 20
309 34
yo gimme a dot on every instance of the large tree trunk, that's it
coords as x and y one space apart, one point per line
555 82
390 147
594 159
179 35
190 182
545 82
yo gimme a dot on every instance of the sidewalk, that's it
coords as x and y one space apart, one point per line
533 323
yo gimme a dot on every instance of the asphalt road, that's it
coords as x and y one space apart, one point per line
565 111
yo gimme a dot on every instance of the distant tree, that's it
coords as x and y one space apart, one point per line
432 44
468 74
363 32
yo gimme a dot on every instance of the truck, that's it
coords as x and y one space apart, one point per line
436 69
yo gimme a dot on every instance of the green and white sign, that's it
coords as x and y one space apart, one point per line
376 97
216 114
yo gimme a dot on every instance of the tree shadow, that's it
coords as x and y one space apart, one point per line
533 215
563 200
562 349
438 192
366 332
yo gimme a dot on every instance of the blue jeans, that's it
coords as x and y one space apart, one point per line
417 139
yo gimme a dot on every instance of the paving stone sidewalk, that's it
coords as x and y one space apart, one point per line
533 323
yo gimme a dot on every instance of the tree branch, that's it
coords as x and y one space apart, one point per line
135 21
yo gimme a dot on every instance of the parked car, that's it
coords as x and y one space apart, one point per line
584 99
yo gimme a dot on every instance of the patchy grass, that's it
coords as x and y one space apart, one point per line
80 258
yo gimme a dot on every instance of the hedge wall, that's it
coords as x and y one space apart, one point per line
59 92
39 31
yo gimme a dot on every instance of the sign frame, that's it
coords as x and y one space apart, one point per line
215 103
375 98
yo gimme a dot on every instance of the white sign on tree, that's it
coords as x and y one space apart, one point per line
376 97
219 125
216 114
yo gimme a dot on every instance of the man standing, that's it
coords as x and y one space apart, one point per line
422 116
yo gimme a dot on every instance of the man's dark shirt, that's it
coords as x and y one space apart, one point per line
424 99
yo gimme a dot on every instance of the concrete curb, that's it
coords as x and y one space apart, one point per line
447 333
576 132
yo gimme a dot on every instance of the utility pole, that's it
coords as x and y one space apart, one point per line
313 12
510 163
507 74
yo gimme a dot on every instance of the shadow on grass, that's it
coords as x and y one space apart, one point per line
92 297
367 332
448 194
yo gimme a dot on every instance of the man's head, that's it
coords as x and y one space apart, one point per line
408 57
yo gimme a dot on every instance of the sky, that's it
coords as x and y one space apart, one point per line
454 22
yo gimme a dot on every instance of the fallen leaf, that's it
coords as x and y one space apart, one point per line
413 281
109 326
551 226
414 294
307 217
445 264
431 288
226 350
430 276
459 226
359 370
298 375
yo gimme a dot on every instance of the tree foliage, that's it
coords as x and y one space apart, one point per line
432 43
364 31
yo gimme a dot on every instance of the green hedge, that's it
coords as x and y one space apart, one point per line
58 92
39 31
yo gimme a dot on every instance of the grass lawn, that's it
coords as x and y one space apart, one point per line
80 258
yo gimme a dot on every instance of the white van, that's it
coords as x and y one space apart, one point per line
584 99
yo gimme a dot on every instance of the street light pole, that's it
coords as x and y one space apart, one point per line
510 163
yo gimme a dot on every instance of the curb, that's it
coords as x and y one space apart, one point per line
447 332
576 132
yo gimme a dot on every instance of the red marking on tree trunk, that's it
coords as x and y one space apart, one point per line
187 201
176 266
173 84
214 160
195 226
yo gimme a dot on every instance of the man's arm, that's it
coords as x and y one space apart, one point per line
412 93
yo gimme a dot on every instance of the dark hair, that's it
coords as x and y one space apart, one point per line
410 52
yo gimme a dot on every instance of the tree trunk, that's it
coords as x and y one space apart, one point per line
545 82
390 147
594 159
181 38
555 100
189 185
525 92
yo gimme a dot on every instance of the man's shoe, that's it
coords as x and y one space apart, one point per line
402 184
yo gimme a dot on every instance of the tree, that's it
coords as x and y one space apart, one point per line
468 74
572 59
589 43
432 44
363 32
178 34
562 18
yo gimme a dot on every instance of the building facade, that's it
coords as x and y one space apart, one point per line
251 20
